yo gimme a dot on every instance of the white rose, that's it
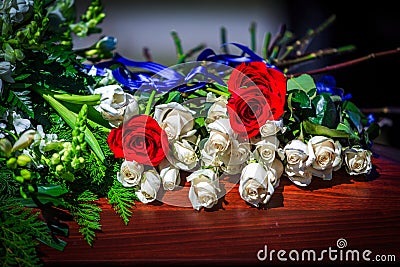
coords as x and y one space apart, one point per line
221 134
218 109
183 155
114 102
130 173
324 156
255 186
271 128
176 120
149 186
296 153
277 171
170 175
265 150
235 157
357 161
237 153
210 160
204 188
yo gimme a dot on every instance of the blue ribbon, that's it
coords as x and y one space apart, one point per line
233 60
165 79
327 84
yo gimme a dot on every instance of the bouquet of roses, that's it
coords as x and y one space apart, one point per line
250 123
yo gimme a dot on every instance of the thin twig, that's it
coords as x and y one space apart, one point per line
191 52
348 63
314 55
277 38
312 33
302 43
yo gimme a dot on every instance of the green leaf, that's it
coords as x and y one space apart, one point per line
373 131
355 118
221 87
350 106
57 243
70 119
200 121
316 129
325 111
346 127
94 117
301 98
20 100
303 82
52 190
22 77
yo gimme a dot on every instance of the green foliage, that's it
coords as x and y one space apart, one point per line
19 230
19 99
122 200
304 83
8 185
86 213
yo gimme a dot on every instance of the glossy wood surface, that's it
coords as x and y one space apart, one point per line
363 211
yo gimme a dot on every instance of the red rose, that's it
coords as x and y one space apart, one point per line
248 111
271 84
114 141
144 141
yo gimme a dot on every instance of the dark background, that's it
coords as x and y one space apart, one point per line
372 27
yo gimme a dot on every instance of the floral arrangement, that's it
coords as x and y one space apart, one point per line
80 125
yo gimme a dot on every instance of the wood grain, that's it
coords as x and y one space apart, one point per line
363 211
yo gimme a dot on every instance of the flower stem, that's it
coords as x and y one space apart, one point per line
10 133
223 40
267 40
150 102
252 30
189 53
178 45
217 92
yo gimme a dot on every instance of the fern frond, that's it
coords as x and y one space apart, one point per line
122 200
86 213
21 100
19 230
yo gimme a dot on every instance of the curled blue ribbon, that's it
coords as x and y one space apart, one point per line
154 76
233 60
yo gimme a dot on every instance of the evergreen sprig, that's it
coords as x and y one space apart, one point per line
122 200
86 213
19 230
